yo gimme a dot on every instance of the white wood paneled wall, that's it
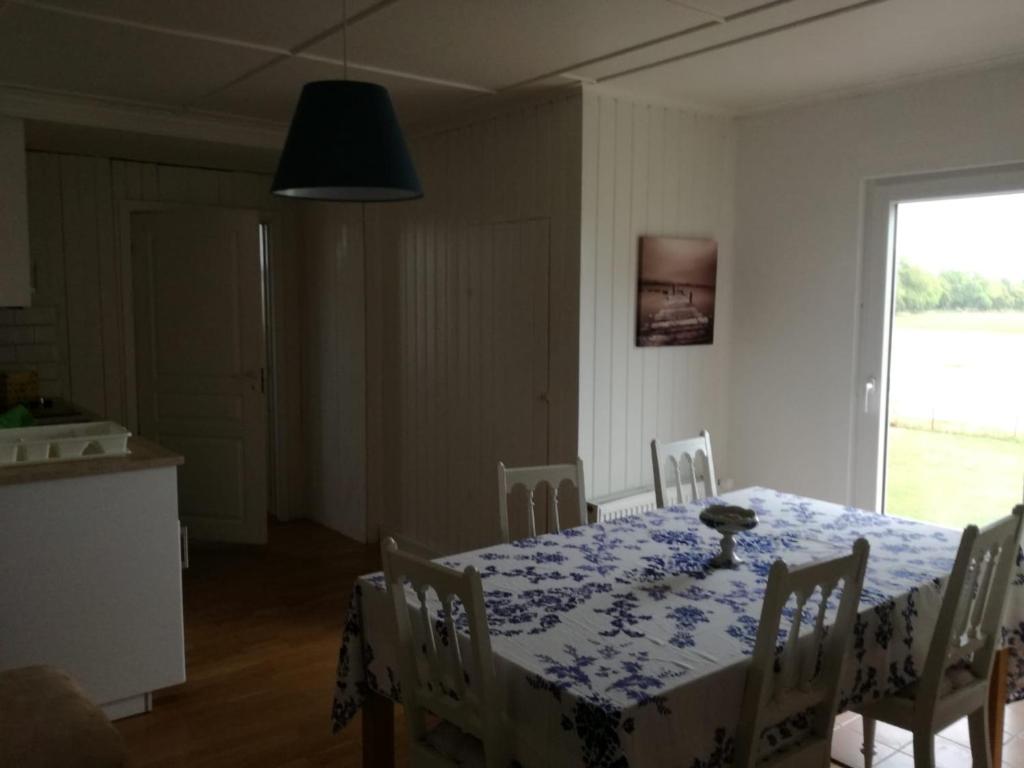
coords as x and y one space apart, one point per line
46 246
472 324
656 170
71 231
16 285
77 220
334 365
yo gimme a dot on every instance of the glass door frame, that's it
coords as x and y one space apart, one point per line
870 406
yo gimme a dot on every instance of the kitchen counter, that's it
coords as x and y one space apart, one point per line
90 573
144 455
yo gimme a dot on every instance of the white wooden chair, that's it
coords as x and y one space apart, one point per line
689 464
802 676
955 679
434 674
553 476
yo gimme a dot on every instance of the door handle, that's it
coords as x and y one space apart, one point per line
257 380
869 391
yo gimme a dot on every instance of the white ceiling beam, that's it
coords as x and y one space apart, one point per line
333 29
577 78
697 9
678 34
296 50
276 53
659 100
56 107
612 55
803 21
362 67
41 5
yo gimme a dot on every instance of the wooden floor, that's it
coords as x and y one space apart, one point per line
262 631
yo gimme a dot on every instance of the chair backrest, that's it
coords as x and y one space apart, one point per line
435 675
552 475
683 464
968 627
802 675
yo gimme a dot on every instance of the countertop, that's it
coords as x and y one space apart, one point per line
144 455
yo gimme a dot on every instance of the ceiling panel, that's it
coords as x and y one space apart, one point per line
870 46
56 52
500 42
720 7
491 44
775 15
278 23
272 94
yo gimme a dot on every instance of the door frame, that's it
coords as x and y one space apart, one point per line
123 211
870 406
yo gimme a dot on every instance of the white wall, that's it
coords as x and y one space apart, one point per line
16 285
80 334
334 365
800 186
648 170
457 353
36 338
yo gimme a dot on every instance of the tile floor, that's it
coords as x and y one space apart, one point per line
894 748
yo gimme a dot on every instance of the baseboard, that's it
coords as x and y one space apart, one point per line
133 705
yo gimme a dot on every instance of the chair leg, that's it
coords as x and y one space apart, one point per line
981 752
868 750
924 749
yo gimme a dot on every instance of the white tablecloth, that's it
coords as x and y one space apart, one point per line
616 644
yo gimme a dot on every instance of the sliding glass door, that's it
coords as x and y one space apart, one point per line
939 411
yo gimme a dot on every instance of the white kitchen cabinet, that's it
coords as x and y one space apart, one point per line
90 573
15 262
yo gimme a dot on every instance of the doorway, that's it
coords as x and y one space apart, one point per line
940 432
199 292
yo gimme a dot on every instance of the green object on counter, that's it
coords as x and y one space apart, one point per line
18 416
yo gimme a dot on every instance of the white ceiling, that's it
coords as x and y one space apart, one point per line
249 59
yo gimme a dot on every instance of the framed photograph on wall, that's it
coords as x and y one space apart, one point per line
675 304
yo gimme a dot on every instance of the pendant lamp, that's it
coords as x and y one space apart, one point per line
345 144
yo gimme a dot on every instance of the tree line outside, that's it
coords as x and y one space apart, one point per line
954 402
919 290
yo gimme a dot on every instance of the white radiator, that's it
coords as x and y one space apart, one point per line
615 506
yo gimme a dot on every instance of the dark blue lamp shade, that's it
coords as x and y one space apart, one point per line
345 144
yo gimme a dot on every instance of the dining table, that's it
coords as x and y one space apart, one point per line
618 644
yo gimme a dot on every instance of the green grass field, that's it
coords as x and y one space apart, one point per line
952 480
978 322
960 373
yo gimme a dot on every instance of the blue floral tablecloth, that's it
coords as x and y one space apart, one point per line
616 644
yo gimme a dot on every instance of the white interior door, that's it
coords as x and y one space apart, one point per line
520 320
871 385
473 354
200 352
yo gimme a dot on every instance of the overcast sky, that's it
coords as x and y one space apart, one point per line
970 234
679 260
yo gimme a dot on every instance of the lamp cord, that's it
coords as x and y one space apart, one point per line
344 38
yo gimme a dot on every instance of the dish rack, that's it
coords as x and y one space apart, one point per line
63 442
